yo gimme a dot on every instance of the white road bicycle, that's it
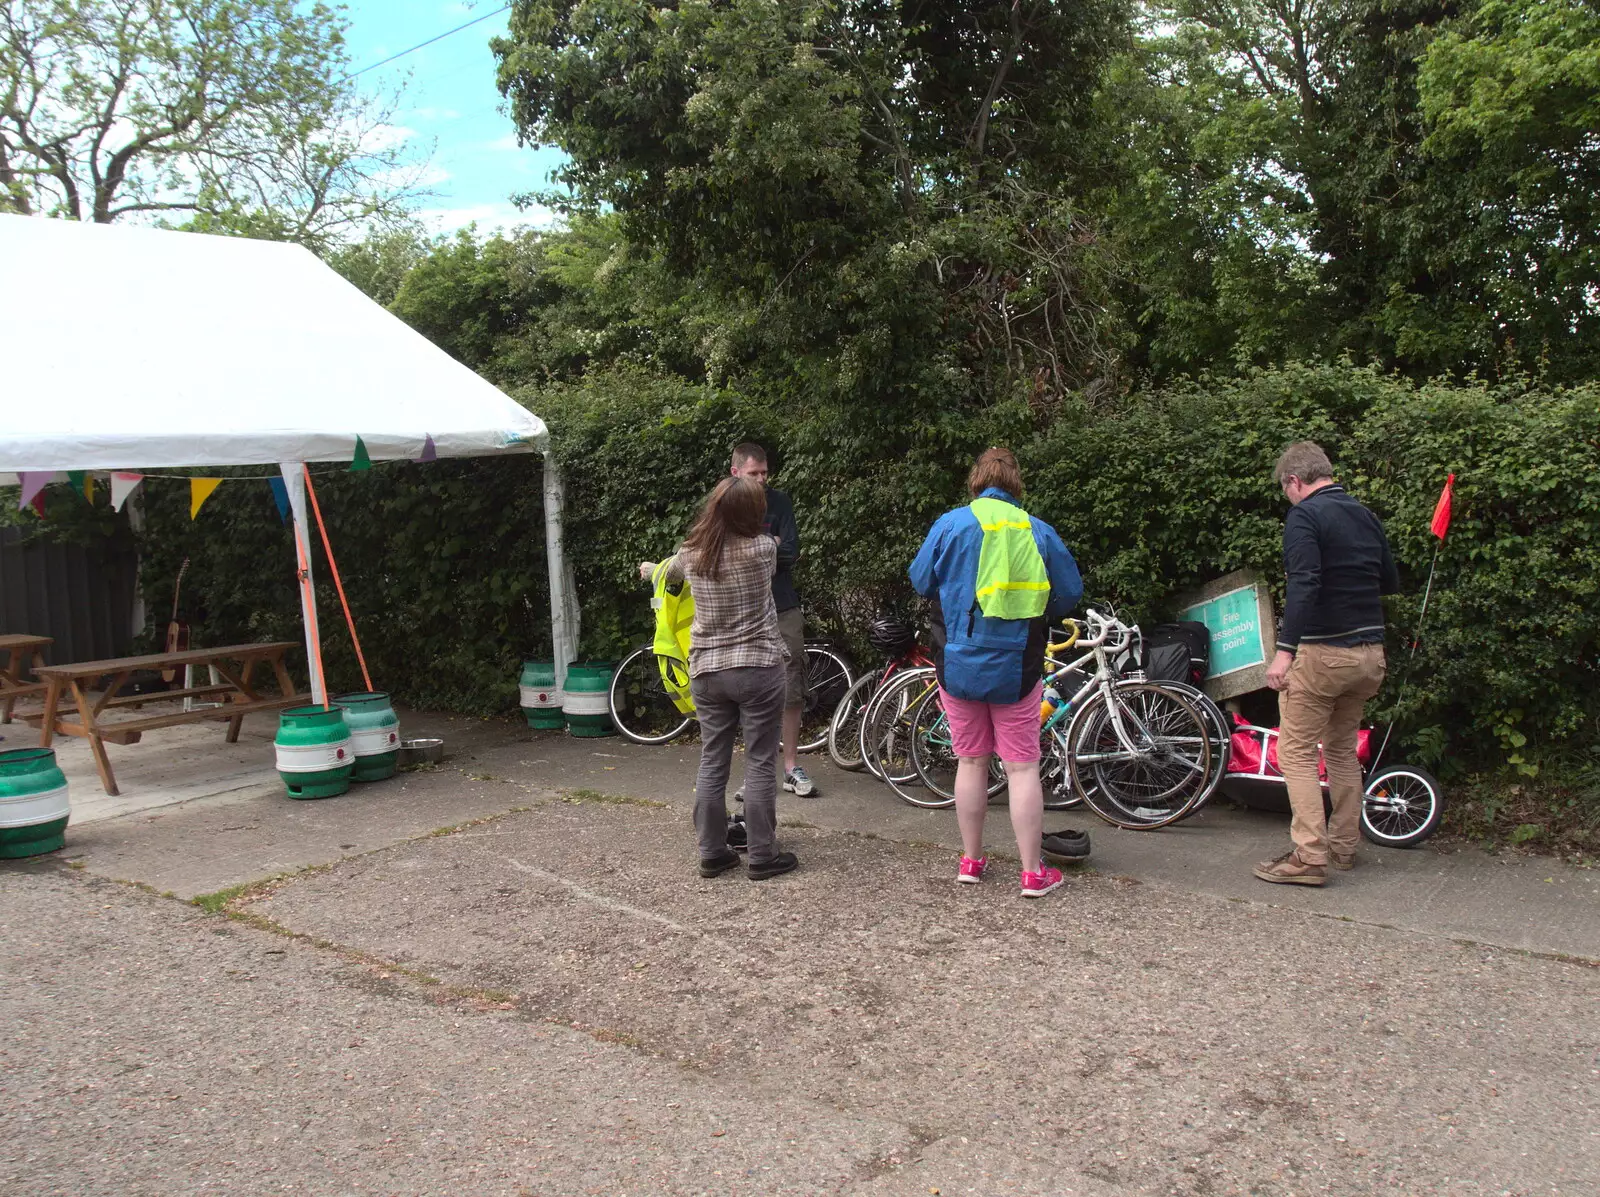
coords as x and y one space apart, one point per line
1139 753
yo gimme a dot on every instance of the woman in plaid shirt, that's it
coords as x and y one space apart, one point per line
736 671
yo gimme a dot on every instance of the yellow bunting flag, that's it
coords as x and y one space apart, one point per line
199 491
88 488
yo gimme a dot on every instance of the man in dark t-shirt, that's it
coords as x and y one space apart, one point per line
750 461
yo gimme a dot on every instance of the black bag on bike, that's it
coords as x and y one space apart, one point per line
1177 652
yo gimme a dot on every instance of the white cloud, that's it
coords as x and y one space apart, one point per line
490 218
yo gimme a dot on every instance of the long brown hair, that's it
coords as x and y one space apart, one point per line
736 507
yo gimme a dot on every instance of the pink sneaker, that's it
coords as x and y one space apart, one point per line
1037 885
972 870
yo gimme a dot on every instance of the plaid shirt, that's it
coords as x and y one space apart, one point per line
735 619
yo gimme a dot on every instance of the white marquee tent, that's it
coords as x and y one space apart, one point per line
125 348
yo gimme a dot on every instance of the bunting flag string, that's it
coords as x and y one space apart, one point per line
123 483
33 484
199 491
280 496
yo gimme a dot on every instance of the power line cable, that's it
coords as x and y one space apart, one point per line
429 42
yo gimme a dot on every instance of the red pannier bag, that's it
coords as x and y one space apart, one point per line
1249 742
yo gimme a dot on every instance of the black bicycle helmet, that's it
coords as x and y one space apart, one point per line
890 636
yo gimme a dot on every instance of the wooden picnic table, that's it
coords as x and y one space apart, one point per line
234 663
16 654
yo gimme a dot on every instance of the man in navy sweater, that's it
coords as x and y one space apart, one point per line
750 461
1329 660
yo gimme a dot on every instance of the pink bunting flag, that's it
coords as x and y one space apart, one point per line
34 481
429 452
122 485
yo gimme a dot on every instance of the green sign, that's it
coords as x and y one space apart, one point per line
1234 619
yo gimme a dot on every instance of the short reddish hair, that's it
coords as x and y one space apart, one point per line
995 467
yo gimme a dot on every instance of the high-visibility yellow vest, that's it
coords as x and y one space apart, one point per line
1012 580
674 617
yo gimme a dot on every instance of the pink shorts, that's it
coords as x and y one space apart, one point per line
1009 730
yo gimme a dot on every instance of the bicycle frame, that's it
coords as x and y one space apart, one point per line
1112 636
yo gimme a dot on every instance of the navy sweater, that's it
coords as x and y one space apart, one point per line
1338 564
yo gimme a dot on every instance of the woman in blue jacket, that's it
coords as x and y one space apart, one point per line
999 578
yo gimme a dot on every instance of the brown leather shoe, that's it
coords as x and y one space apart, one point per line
1289 869
1343 863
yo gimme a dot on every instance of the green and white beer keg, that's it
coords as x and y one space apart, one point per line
586 699
315 758
33 802
374 734
541 701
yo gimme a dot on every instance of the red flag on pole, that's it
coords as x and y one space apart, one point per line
1441 510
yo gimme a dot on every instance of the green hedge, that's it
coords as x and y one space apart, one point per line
1170 489
444 563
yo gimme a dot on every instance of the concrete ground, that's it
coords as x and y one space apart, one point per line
503 975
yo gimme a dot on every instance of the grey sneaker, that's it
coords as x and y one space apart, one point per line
797 783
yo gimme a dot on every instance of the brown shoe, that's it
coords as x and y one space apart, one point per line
1343 863
1289 869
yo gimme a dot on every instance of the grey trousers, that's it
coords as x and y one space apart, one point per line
725 701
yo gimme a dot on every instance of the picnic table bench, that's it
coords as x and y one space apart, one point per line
15 654
235 664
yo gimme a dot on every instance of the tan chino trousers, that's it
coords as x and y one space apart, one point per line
1327 689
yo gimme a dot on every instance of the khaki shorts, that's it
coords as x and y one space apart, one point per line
792 627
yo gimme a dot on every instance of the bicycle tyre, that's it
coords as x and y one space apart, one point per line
641 706
1221 735
844 729
885 747
1149 787
1401 806
933 754
828 679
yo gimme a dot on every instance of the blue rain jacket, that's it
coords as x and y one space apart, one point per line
982 659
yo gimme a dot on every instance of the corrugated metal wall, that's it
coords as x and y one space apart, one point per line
82 598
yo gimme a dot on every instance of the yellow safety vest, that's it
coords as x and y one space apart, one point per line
674 617
1012 580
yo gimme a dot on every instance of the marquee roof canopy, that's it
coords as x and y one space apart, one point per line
136 348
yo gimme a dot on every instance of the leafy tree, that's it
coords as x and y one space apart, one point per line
1443 157
381 261
234 115
1511 99
1213 225
878 195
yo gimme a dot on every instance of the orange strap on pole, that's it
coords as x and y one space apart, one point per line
338 585
308 600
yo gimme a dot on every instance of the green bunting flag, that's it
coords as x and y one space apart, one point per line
362 461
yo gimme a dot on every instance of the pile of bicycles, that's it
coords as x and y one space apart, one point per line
1139 753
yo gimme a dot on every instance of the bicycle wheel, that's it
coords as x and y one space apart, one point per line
1149 773
1401 807
934 755
886 727
828 680
641 706
844 729
1218 732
